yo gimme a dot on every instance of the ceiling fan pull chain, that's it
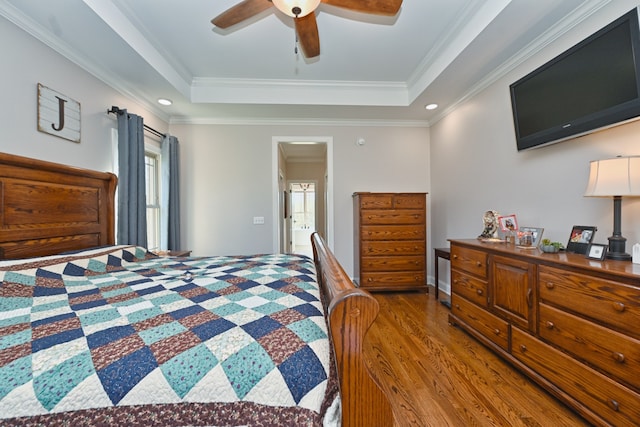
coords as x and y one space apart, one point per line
296 11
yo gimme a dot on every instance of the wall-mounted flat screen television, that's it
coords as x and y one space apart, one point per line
593 85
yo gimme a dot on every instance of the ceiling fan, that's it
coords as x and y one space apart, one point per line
303 12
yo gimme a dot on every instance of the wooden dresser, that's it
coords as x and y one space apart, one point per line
570 323
390 241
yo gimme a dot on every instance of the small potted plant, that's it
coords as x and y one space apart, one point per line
550 247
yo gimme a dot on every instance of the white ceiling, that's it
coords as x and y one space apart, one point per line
370 69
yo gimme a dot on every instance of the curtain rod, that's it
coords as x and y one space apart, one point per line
118 111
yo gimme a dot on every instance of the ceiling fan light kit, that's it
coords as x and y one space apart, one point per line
302 7
303 13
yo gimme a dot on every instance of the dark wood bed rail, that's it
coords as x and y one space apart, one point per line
350 313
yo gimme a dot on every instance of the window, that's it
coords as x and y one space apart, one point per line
152 178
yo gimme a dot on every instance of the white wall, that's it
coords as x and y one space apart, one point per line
227 180
27 62
475 165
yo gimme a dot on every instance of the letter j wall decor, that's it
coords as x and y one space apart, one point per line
58 115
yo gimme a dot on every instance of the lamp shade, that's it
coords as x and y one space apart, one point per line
288 6
619 176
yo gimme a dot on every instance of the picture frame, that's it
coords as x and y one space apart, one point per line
508 223
536 233
58 115
597 251
580 238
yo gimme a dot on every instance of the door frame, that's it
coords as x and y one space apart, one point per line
276 188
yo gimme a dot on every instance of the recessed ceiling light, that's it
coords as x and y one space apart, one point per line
165 101
431 106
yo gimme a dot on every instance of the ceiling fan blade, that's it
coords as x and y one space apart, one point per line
307 29
238 13
377 7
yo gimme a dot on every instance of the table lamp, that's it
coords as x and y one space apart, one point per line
615 178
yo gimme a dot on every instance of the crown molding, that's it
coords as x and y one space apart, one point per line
296 122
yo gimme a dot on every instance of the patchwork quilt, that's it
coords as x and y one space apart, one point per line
119 336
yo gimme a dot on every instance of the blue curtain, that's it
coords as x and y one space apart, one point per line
170 199
132 203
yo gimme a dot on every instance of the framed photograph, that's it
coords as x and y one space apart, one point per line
508 222
597 251
580 238
536 234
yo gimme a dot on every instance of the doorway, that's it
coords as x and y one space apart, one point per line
302 160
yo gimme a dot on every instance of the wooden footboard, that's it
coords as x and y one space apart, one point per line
350 312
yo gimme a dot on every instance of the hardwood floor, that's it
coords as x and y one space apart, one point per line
437 375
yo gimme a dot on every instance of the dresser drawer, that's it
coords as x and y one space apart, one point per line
409 201
614 353
393 263
393 217
611 401
492 327
609 302
391 279
393 232
399 247
375 201
469 287
469 260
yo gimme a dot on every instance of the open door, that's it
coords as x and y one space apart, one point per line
302 196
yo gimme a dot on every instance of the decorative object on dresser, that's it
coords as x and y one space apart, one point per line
490 225
597 251
390 240
569 324
508 223
550 247
535 232
580 238
615 178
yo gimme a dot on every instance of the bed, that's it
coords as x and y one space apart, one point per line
94 333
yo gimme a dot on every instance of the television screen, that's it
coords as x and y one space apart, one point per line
590 86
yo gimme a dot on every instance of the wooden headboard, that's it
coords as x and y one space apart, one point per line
48 208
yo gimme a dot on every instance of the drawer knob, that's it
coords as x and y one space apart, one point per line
549 285
479 291
369 280
613 405
550 325
455 281
618 357
455 256
523 348
479 264
496 331
618 306
458 306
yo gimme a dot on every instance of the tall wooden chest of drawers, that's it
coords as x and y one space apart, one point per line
390 235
